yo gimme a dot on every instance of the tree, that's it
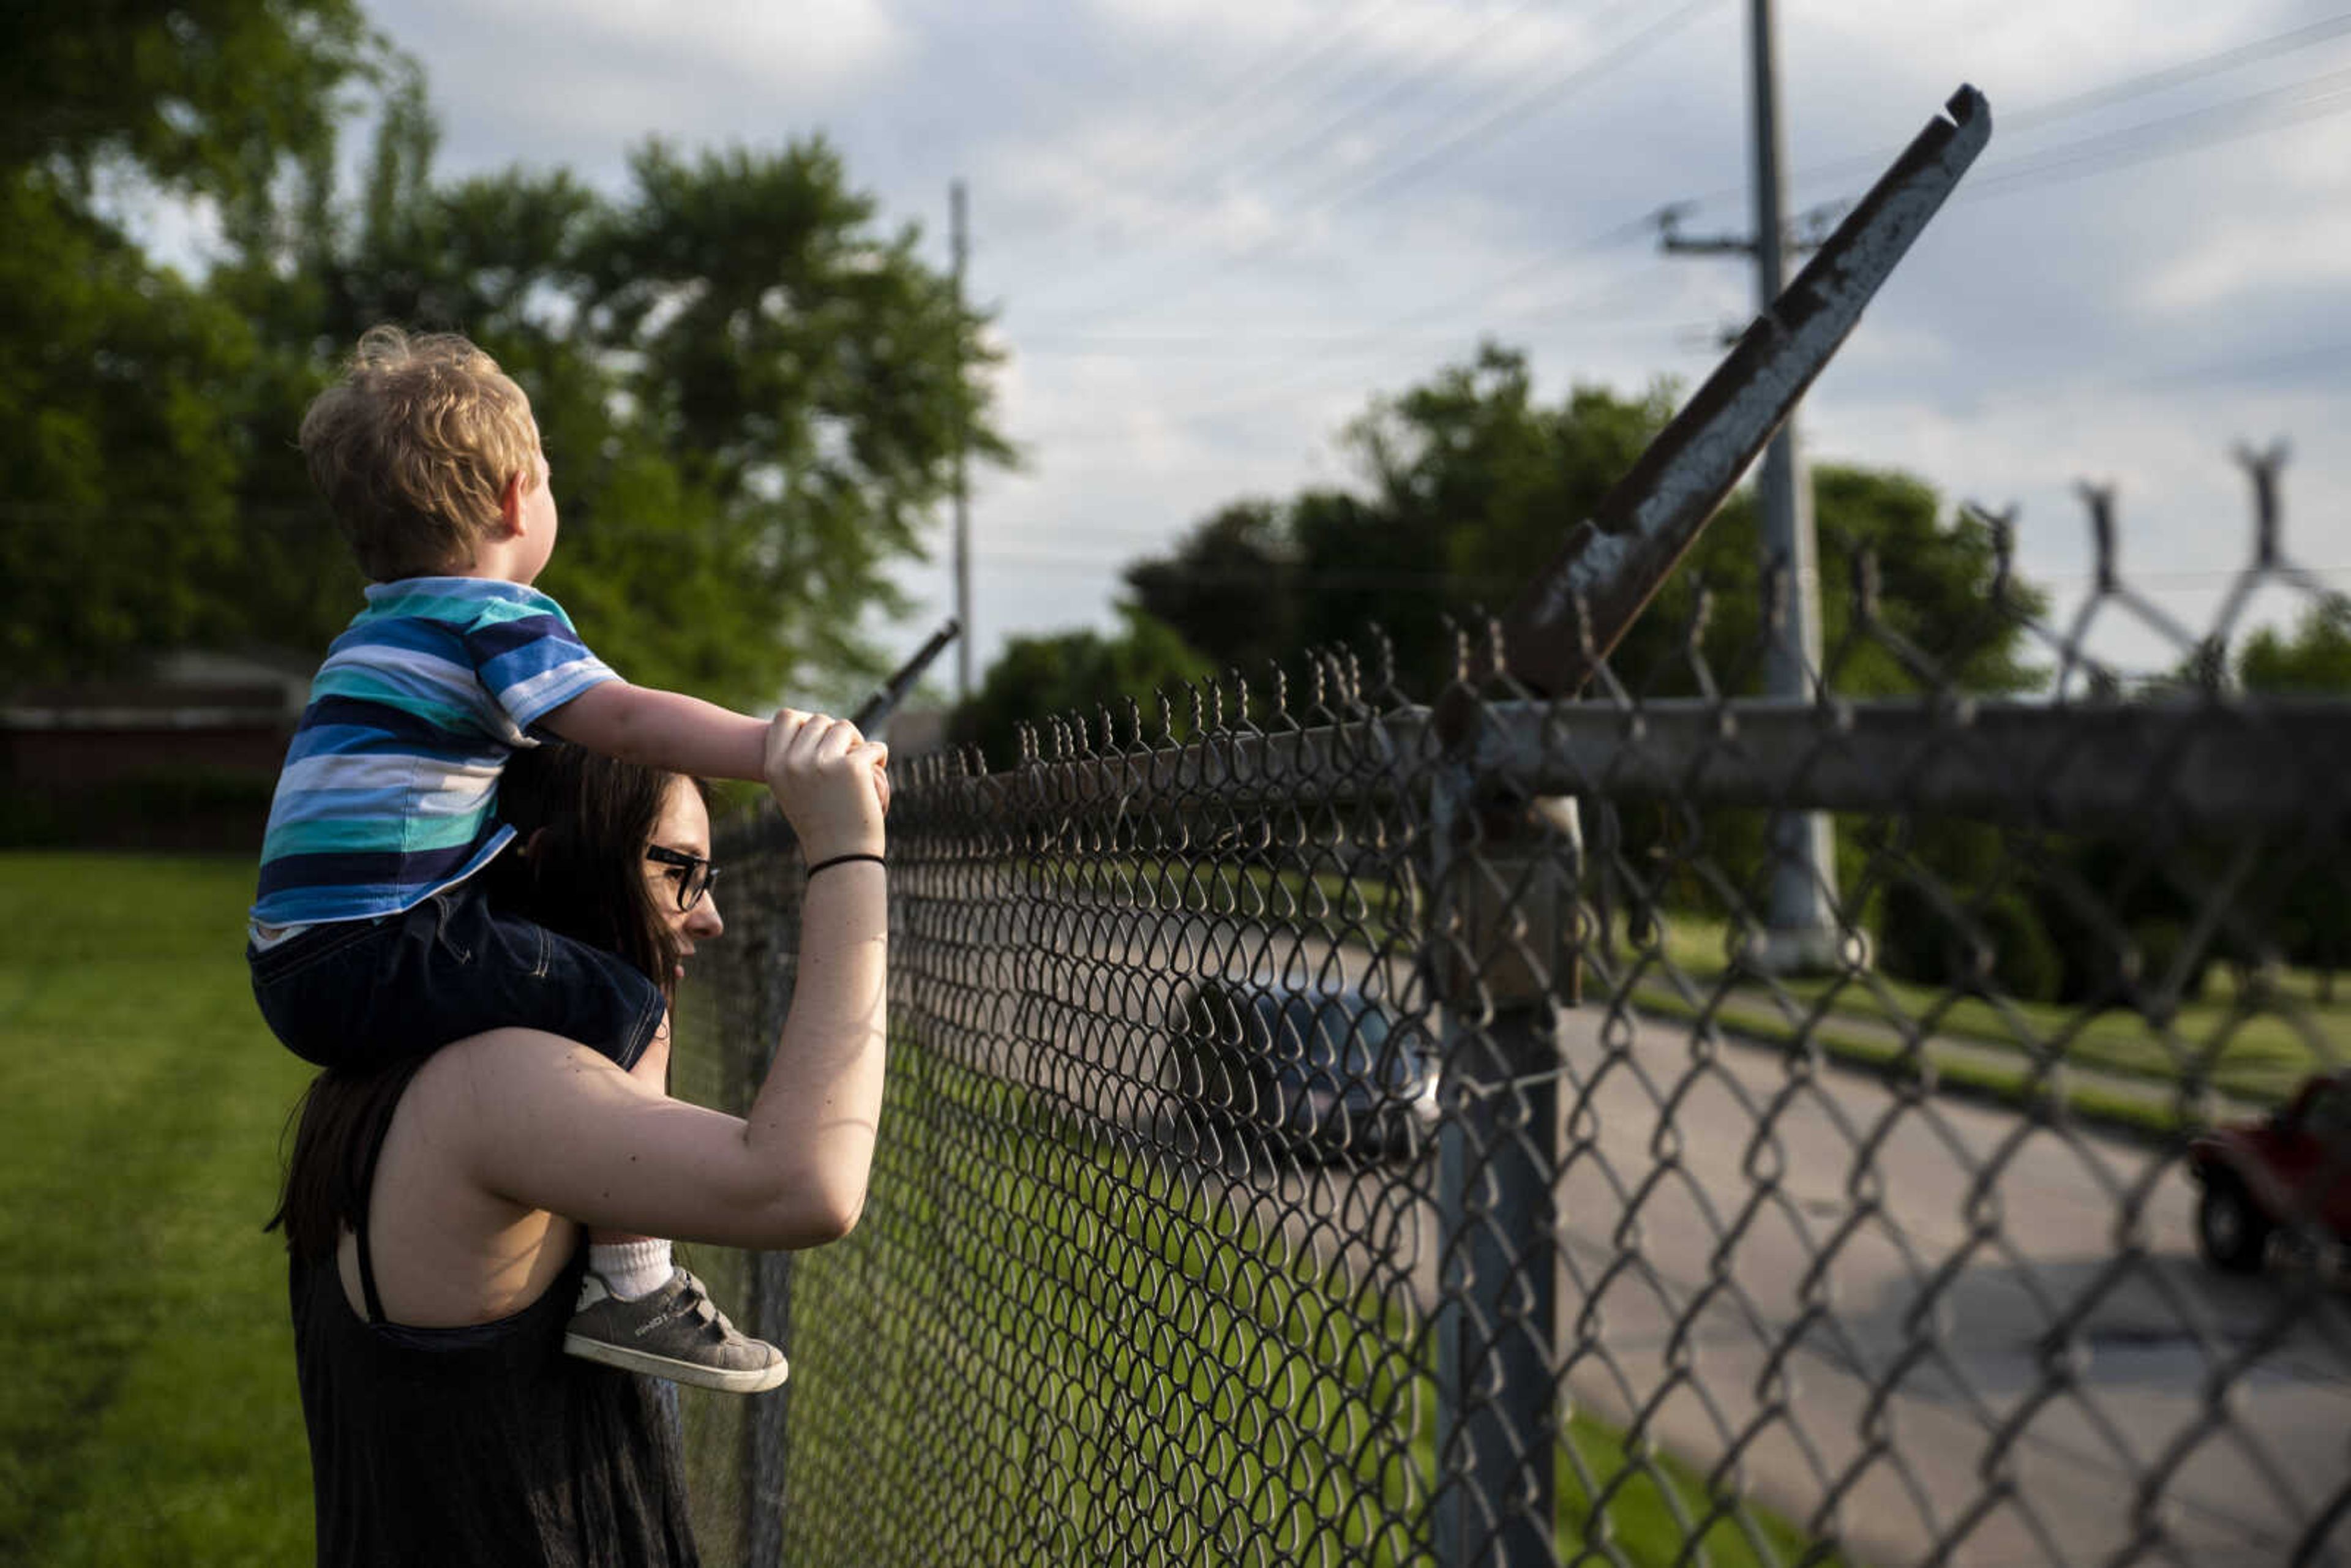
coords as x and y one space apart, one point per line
2314 903
2315 660
119 378
1231 586
749 395
1080 674
1470 486
1935 600
120 491
803 373
201 97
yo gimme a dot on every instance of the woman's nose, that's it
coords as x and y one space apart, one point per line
704 920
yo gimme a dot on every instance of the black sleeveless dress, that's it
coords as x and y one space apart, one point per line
479 1446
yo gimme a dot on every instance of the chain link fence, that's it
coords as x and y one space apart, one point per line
1370 1116
1332 1122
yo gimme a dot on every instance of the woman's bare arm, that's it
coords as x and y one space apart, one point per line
551 1125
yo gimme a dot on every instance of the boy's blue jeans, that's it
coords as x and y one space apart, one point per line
361 994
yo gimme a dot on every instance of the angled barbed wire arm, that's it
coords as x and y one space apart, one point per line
1617 559
874 712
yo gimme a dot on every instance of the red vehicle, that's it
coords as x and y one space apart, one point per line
2291 1170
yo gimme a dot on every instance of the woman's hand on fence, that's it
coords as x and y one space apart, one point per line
833 783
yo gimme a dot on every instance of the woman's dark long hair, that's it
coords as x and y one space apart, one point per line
581 823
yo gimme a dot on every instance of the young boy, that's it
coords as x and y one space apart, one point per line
370 939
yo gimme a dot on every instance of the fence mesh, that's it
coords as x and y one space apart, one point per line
1326 1126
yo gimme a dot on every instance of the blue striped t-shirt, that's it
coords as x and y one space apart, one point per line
391 787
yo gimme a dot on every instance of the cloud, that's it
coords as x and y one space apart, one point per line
556 81
2251 254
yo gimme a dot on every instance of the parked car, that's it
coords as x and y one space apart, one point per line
1318 1073
2291 1167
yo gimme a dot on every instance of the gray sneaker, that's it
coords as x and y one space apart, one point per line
675 1333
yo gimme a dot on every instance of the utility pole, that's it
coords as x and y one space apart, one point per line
1800 933
957 231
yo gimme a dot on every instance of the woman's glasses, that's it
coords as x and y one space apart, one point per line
691 874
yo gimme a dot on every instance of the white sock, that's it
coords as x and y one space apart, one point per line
631 1269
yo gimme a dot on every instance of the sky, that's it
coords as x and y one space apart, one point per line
1211 232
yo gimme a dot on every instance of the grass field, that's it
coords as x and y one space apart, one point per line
1132 1342
148 1413
2256 1040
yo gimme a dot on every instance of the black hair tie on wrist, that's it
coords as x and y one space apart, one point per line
843 859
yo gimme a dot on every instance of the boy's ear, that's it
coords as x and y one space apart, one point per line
510 502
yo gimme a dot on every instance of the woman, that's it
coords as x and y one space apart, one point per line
435 1212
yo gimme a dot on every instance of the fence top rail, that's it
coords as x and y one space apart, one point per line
2193 763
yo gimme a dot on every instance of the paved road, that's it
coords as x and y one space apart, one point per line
1957 1242
1946 1242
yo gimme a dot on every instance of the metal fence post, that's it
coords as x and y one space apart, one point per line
770 1280
1504 952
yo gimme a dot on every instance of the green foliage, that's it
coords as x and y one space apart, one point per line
2314 660
1084 673
120 381
804 375
198 95
750 398
181 807
2314 905
750 392
1235 587
121 486
1994 945
1472 486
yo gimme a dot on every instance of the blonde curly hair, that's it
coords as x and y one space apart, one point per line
414 447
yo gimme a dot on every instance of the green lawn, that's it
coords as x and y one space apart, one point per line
1124 1345
148 1413
2253 1040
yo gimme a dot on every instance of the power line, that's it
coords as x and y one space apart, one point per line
2185 579
2187 72
1554 261
1243 344
1244 141
1226 130
2294 104
1323 204
2013 121
1434 70
1518 110
2116 148
2087 157
1218 119
1216 173
1286 390
2175 133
